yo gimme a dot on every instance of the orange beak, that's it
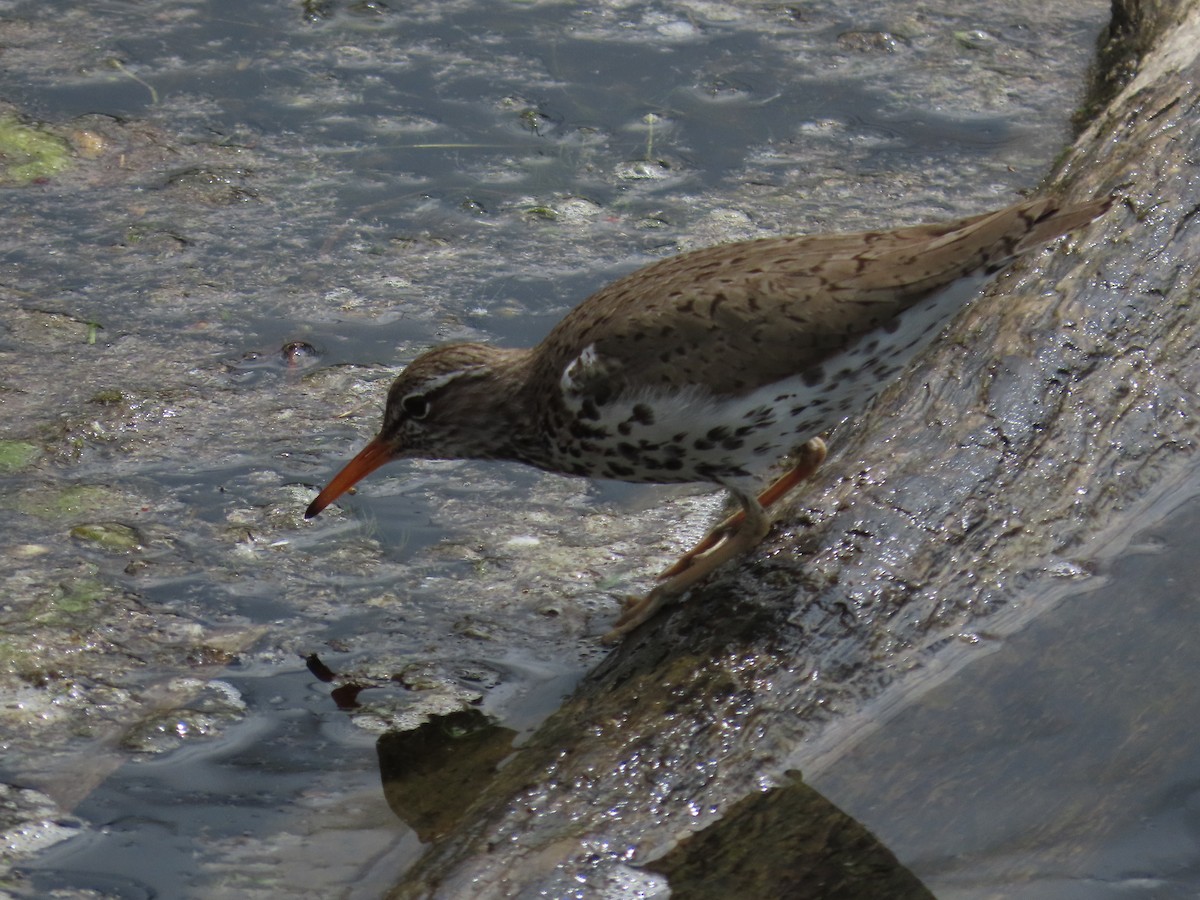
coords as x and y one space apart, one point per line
370 458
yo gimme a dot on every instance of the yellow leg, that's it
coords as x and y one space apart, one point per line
737 534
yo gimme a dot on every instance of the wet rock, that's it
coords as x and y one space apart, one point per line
108 536
30 821
868 41
212 185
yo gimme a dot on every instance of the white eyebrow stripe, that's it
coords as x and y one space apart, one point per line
440 381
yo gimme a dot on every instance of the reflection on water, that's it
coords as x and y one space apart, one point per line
433 773
789 842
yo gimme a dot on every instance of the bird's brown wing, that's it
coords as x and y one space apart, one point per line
735 316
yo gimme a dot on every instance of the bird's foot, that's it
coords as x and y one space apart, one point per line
708 543
741 536
637 610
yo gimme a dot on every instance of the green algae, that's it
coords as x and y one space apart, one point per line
16 456
29 153
65 503
108 535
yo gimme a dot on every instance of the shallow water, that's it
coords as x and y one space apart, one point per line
370 183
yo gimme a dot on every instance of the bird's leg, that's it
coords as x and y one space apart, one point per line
809 459
753 527
739 533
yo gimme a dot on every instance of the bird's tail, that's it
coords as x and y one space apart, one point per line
922 258
1048 218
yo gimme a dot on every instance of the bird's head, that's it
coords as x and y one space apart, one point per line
451 402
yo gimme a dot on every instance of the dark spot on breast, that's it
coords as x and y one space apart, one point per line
701 444
628 451
643 414
709 472
718 433
732 443
624 428
582 431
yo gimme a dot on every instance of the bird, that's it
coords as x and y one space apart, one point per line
709 366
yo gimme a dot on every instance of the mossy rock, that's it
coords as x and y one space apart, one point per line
29 153
16 456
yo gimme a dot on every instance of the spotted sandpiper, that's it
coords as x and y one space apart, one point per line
707 366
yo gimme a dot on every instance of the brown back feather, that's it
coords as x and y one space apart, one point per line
787 303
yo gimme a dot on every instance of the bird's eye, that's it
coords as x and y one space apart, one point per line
415 406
